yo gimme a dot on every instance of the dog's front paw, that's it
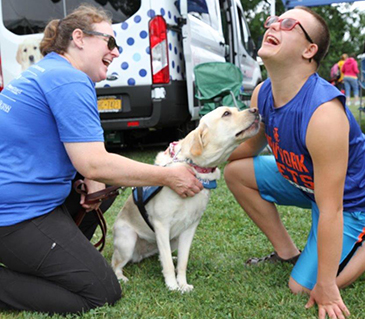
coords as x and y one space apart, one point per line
120 276
186 288
173 287
172 284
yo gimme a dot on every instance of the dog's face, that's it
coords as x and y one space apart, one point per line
28 53
219 133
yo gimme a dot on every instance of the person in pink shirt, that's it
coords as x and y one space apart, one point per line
350 71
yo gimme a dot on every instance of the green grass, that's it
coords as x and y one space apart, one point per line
355 110
224 287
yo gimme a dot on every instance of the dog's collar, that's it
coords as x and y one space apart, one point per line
199 169
172 151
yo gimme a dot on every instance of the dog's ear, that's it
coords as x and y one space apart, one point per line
198 140
19 54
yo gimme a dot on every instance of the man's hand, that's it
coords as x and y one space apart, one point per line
329 302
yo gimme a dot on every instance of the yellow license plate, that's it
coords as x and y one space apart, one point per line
109 105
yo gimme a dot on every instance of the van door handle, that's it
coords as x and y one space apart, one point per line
222 44
112 77
244 55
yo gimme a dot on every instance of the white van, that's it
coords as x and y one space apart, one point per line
151 84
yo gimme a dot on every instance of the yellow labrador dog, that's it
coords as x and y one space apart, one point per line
28 53
173 218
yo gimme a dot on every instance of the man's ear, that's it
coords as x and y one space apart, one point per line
78 38
310 51
198 140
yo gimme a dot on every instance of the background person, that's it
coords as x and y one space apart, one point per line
317 162
50 128
350 71
340 84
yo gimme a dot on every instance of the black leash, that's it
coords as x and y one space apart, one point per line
93 198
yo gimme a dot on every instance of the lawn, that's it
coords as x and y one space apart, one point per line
224 287
355 111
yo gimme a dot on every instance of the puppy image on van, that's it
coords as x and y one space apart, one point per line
171 220
28 53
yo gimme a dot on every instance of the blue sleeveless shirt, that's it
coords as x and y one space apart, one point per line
286 129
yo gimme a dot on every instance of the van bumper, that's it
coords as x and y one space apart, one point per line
140 110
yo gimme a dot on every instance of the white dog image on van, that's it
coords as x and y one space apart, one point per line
173 219
28 53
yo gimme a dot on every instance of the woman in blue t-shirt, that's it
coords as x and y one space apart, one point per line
318 162
50 128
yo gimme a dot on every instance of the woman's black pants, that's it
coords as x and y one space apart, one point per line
49 264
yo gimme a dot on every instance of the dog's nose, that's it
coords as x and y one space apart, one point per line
31 58
254 110
256 114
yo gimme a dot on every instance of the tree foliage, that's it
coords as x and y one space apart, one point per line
346 28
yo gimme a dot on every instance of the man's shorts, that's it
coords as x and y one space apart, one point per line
274 188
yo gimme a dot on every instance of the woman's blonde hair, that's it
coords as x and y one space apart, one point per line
344 56
57 33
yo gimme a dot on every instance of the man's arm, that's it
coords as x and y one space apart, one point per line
254 145
328 143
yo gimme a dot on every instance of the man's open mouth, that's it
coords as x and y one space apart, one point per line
272 40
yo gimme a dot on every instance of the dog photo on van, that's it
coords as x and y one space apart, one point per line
28 53
149 225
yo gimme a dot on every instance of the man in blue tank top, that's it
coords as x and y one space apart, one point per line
318 162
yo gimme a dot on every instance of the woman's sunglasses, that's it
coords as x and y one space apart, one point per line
112 44
286 24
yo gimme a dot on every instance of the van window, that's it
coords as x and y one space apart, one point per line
197 6
31 16
27 17
214 12
206 11
121 9
243 29
245 34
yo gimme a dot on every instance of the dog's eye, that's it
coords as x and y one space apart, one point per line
35 48
226 113
25 50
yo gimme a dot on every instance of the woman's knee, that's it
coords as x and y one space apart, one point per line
112 291
101 288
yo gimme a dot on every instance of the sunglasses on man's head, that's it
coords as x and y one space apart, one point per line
286 24
112 43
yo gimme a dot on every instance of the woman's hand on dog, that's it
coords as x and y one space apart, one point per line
184 182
